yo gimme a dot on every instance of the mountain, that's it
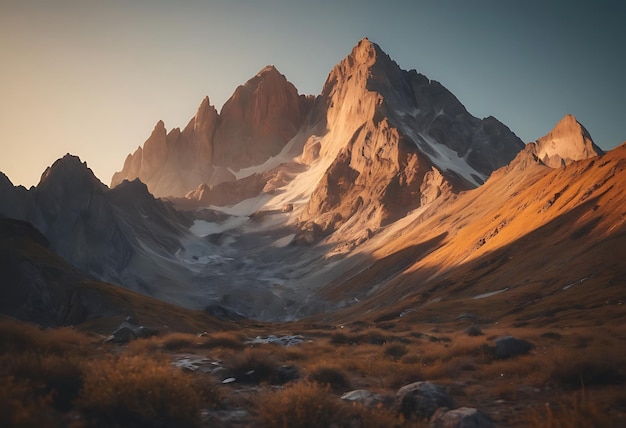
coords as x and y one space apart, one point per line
39 286
569 141
254 124
375 196
376 143
532 246
111 234
397 140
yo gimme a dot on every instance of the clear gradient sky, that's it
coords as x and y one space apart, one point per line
93 77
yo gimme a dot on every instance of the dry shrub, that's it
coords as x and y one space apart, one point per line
148 345
340 338
411 359
591 367
20 336
370 336
225 339
20 406
255 365
332 376
310 405
405 374
395 350
137 391
578 411
58 378
179 341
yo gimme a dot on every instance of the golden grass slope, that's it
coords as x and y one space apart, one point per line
548 240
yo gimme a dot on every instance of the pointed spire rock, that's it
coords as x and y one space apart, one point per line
258 120
569 141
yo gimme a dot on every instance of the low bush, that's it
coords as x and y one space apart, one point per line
179 341
579 410
395 350
334 377
255 365
18 336
58 378
311 405
138 391
226 339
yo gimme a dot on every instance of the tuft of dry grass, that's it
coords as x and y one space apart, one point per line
580 410
395 350
137 391
331 376
188 341
16 336
311 405
58 378
225 339
255 365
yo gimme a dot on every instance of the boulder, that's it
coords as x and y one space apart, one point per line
421 399
128 330
509 347
463 417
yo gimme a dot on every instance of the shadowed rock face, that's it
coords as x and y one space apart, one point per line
98 230
255 123
569 141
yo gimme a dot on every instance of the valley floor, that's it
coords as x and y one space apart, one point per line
63 377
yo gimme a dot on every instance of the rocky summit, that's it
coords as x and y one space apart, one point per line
255 123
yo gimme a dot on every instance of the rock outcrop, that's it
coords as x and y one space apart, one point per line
421 400
254 124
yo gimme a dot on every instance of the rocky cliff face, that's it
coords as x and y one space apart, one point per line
255 123
397 140
569 141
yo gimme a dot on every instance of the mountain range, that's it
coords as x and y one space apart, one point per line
380 197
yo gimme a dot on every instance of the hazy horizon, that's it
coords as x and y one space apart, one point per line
93 79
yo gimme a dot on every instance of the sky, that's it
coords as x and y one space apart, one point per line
92 77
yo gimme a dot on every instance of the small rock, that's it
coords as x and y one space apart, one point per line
509 346
422 399
463 417
365 397
291 340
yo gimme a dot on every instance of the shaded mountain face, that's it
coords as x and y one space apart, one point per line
39 286
107 233
255 123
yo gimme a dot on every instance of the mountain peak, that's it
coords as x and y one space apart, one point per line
368 53
268 69
68 163
568 141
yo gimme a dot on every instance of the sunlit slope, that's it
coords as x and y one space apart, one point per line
547 242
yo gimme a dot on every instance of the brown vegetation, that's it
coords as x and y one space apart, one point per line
59 377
